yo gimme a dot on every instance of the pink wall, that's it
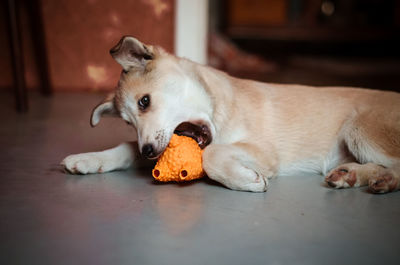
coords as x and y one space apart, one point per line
79 34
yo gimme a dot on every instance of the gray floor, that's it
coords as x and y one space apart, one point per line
49 217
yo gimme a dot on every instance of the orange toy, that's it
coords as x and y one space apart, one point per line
181 161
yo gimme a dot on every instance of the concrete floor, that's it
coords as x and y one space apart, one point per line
49 217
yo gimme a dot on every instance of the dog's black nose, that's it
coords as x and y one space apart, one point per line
148 151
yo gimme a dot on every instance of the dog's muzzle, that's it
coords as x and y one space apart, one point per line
148 151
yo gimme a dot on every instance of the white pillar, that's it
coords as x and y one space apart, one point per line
191 23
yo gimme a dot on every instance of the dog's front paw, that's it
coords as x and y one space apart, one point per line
85 163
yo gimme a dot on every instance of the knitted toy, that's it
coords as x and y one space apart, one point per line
181 161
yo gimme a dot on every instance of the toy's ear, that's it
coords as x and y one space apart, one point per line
131 53
105 108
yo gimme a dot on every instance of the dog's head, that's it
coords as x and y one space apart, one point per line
159 94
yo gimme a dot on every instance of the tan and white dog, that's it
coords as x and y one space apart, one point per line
251 131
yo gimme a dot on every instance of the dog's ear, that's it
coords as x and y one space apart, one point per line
131 53
105 108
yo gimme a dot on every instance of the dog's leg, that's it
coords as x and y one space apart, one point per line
372 140
379 178
120 157
239 166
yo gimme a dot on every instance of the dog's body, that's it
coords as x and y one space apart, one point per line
251 131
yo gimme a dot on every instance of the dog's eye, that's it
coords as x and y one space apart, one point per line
144 102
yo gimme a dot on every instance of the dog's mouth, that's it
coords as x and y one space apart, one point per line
199 132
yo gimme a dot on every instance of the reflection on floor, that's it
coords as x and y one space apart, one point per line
50 217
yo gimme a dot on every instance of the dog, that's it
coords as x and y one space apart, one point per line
250 131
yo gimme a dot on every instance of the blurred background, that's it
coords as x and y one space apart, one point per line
63 45
315 42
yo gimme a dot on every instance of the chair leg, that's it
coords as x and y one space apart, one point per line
39 44
14 27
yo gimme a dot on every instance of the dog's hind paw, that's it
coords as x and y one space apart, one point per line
384 183
378 178
342 177
85 164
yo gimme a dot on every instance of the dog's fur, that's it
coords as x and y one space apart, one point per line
258 130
